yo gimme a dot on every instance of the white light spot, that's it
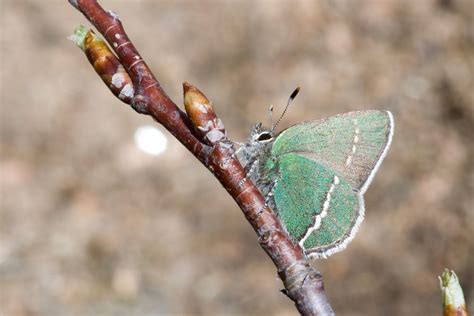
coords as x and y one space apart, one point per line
117 36
150 140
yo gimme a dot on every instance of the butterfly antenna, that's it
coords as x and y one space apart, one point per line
290 100
270 115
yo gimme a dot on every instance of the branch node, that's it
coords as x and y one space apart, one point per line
140 104
297 273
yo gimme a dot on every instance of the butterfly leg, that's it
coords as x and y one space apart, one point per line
237 146
269 197
246 159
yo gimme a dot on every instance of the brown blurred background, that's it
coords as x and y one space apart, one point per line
91 225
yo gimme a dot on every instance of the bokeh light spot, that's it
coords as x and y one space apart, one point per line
150 140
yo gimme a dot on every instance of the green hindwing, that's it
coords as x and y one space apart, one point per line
316 205
324 168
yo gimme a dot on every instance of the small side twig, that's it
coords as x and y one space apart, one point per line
303 284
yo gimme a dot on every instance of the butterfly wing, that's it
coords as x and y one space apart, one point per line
325 166
352 144
317 206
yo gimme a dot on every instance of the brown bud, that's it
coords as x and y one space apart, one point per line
105 63
202 115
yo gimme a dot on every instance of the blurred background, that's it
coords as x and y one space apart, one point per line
91 224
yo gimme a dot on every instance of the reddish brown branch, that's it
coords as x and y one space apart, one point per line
303 284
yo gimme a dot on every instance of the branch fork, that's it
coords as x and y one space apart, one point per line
128 77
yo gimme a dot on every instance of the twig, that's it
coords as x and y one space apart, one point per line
303 284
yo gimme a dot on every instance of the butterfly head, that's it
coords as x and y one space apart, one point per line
261 138
261 135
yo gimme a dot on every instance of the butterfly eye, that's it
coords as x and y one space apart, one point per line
264 137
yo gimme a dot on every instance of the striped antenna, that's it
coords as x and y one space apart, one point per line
290 100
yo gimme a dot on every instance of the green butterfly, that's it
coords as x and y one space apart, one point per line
314 174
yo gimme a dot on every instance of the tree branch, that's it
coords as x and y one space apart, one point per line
303 284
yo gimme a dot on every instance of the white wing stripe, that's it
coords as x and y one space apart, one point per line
354 142
323 214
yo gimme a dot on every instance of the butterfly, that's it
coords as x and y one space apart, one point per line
314 174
